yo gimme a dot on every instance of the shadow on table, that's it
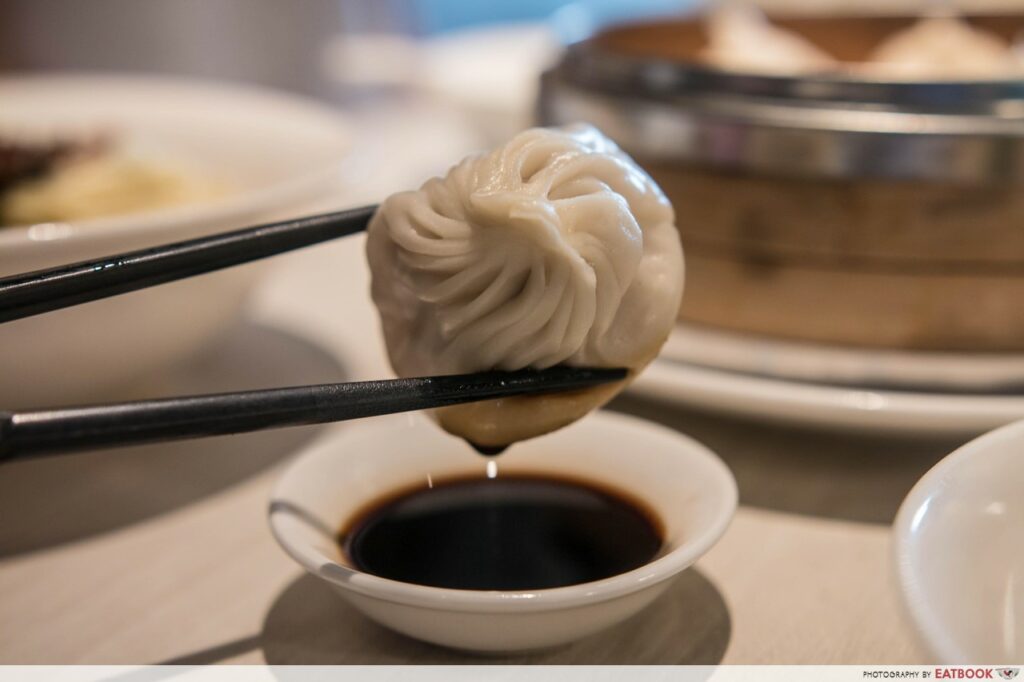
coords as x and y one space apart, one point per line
833 475
56 500
309 624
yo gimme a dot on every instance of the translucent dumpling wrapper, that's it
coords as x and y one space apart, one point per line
555 248
741 38
944 47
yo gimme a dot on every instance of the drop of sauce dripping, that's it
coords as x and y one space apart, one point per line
488 450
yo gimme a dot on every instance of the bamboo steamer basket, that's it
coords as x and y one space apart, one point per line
835 209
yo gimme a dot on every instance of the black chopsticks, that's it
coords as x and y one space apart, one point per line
73 429
41 291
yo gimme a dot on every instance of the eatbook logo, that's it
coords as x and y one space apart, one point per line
1008 673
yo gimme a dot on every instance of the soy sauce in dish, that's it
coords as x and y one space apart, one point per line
517 532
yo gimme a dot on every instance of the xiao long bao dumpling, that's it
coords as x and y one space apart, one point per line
944 46
742 38
555 248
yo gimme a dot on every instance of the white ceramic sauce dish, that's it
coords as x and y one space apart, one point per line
959 549
686 485
276 153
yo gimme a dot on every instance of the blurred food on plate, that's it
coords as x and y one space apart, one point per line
77 179
99 165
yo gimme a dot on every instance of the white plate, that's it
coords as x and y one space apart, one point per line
958 553
817 405
277 151
822 363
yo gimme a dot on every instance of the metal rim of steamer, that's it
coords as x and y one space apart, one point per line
963 132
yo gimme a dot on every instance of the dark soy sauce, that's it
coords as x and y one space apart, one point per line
506 533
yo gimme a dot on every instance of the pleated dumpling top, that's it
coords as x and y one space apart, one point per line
555 248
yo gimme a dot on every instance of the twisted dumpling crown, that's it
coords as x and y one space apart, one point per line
554 248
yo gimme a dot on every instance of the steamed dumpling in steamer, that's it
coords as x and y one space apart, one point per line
741 38
944 47
555 248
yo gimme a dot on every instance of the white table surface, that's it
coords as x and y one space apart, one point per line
162 553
